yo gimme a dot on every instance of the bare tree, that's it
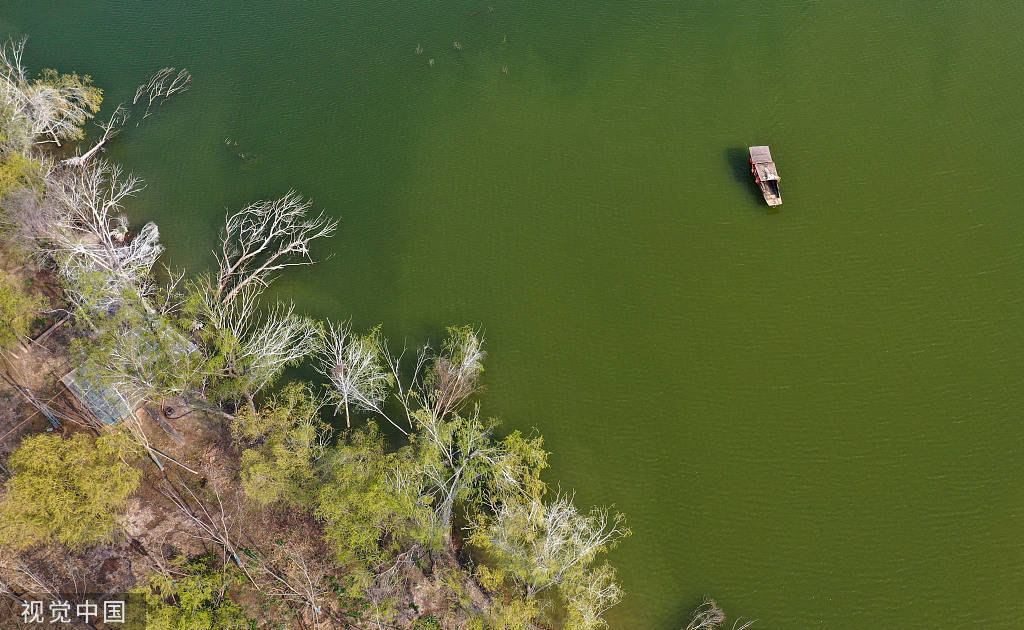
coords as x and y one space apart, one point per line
265 237
353 365
53 572
457 454
51 108
455 373
141 356
161 86
164 84
440 381
260 342
90 238
212 523
115 123
553 546
463 454
406 394
53 412
548 545
293 571
708 616
297 578
32 579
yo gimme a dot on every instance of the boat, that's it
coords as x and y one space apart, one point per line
765 174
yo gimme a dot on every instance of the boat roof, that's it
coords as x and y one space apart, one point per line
760 154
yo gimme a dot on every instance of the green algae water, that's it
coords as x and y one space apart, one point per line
809 414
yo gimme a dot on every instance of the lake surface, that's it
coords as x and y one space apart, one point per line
811 414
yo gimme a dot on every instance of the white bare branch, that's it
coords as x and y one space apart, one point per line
265 237
464 454
50 109
151 360
403 394
211 525
455 373
353 365
708 616
164 84
300 580
161 86
264 341
592 594
90 237
111 128
553 539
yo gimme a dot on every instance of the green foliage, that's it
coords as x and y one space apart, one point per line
18 171
196 598
517 472
15 131
90 291
506 614
427 623
140 352
539 561
230 374
68 490
371 505
464 470
548 552
286 438
21 188
455 459
72 98
246 344
50 108
17 311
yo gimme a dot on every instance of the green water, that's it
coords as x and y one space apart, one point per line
810 414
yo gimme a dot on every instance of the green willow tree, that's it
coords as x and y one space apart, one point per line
544 553
283 442
542 561
18 171
17 311
195 597
71 491
373 507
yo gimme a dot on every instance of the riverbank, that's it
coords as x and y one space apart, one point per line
181 467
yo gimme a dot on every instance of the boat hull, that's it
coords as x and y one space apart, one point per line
771 193
766 176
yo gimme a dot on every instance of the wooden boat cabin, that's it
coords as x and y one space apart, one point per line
766 175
